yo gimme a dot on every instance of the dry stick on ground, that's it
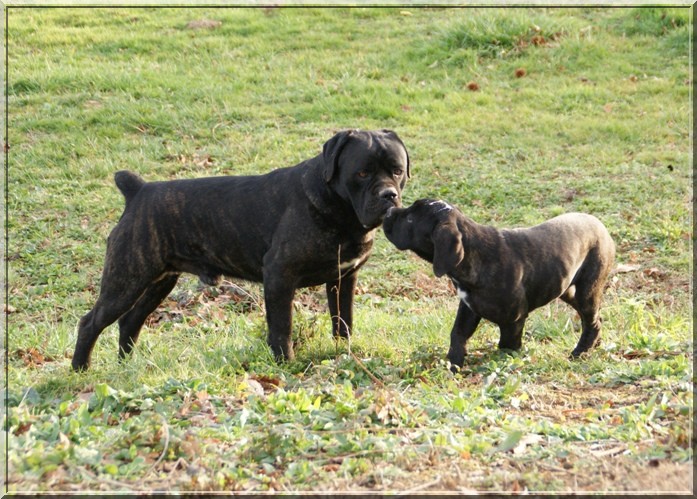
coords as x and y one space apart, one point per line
338 313
165 427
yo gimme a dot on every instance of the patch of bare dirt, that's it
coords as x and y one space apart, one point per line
204 24
464 476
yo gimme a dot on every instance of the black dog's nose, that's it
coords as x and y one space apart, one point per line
389 194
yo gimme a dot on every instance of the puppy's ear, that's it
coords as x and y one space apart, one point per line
447 249
331 152
393 134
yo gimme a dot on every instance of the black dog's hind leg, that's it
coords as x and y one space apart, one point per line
466 322
132 321
116 297
340 301
511 335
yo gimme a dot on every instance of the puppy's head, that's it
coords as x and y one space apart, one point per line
367 169
428 228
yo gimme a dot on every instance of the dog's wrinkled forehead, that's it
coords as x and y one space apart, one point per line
384 146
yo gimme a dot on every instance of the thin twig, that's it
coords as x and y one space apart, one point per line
423 486
104 479
371 375
339 320
165 427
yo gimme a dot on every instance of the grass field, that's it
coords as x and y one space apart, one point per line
513 115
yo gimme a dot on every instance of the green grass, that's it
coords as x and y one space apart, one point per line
600 122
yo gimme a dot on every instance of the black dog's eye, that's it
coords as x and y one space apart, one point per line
398 172
410 219
363 173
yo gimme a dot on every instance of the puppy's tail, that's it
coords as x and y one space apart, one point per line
128 183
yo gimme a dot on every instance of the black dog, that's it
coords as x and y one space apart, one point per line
306 225
502 275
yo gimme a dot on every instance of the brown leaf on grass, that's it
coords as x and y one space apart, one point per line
267 383
203 160
190 445
161 316
623 268
569 195
641 354
22 428
520 72
33 358
204 24
473 86
654 273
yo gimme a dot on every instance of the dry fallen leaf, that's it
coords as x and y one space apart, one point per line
624 268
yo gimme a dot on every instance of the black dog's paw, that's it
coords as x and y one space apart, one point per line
79 367
577 354
456 363
341 333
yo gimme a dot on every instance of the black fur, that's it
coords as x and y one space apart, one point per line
306 225
502 275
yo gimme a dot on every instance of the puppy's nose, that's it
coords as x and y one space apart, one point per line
389 194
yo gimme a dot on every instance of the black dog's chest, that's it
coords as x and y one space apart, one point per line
337 261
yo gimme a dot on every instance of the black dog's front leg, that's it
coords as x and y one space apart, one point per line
465 324
511 335
278 295
340 300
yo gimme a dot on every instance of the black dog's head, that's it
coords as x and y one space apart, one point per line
428 228
367 170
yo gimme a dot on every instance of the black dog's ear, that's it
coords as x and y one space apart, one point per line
331 151
394 134
447 249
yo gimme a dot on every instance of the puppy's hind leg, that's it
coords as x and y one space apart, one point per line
132 321
586 301
587 305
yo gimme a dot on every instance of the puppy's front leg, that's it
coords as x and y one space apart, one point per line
465 324
278 296
340 301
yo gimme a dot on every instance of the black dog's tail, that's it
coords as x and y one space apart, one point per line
128 183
